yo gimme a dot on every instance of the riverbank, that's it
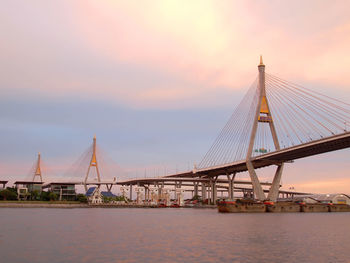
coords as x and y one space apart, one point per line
62 204
41 204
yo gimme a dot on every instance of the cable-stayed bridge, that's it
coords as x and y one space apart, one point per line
276 122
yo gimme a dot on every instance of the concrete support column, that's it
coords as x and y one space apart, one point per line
160 192
175 186
211 187
214 193
195 188
274 189
257 188
213 190
231 188
146 192
130 193
209 193
204 191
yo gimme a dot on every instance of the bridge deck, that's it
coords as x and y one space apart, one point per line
333 143
146 181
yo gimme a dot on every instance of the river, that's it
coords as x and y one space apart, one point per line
170 235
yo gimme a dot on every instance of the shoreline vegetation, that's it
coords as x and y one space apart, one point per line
76 204
42 204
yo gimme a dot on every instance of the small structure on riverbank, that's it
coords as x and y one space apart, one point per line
323 198
3 183
96 196
332 198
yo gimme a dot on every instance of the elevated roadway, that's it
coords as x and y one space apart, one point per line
332 143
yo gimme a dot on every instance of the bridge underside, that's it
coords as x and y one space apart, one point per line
204 187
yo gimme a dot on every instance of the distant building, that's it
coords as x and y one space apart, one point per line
95 196
64 190
325 198
333 198
2 184
24 188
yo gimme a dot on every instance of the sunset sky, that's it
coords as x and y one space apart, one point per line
157 80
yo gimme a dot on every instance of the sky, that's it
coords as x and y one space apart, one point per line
157 80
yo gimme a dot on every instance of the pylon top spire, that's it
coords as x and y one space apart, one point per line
37 172
261 61
93 163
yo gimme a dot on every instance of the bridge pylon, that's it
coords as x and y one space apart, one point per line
93 163
37 172
263 115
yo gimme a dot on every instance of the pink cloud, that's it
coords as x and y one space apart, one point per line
203 47
208 46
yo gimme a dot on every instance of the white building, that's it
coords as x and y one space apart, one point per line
325 198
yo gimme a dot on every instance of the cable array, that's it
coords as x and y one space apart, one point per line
107 167
232 142
302 115
299 115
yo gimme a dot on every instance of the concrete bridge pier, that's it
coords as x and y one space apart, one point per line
209 193
231 185
145 193
130 193
214 194
213 190
195 189
160 191
274 189
177 186
204 191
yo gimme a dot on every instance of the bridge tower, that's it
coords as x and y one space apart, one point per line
93 164
37 172
263 115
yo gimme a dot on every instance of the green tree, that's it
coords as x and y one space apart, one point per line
12 189
82 198
121 198
106 199
44 196
8 195
35 195
53 196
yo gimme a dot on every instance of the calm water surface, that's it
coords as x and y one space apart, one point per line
170 235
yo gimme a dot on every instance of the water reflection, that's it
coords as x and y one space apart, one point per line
171 235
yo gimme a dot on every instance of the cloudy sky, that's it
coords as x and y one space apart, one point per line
157 80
